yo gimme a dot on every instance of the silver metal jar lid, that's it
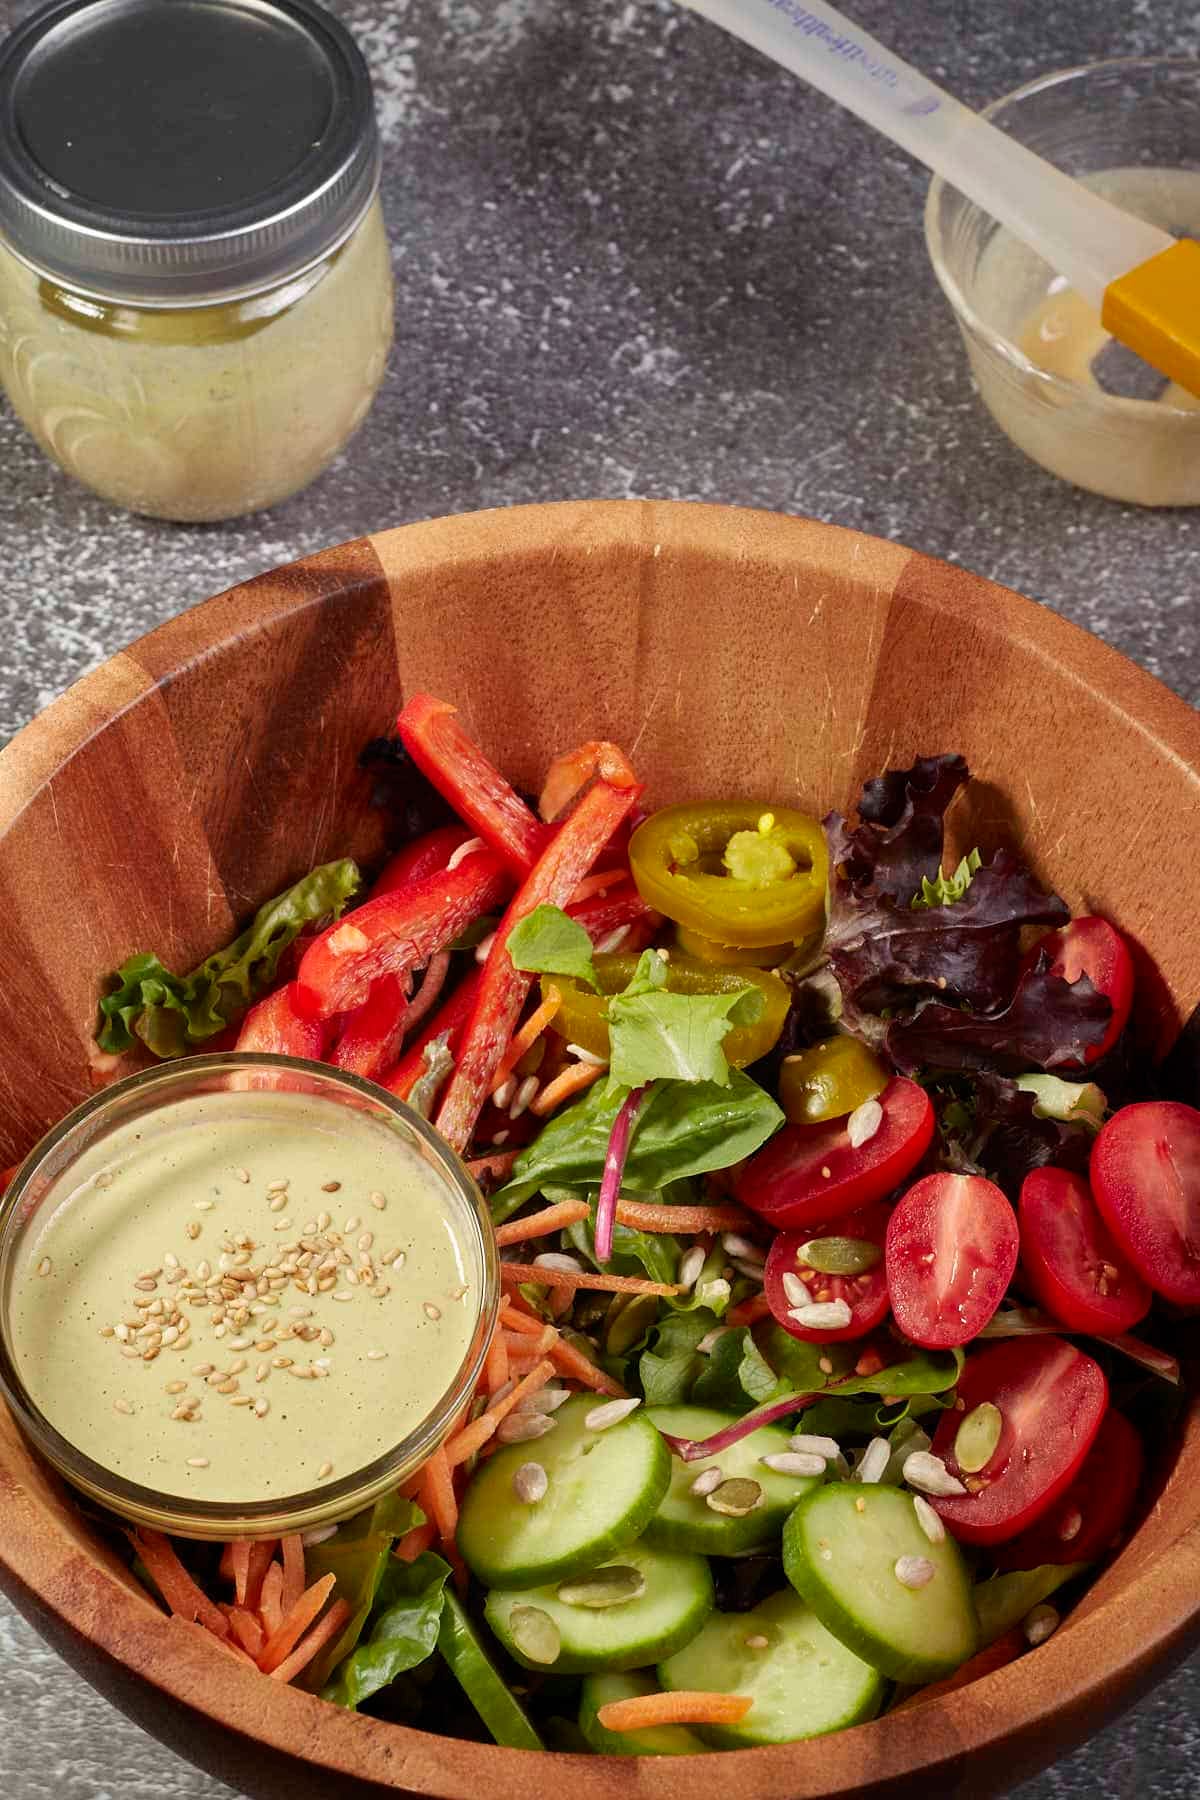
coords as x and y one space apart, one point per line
175 152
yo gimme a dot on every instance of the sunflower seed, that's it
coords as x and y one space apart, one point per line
690 1265
554 1259
707 1481
1040 1624
928 1520
546 1400
914 1571
522 1427
611 1413
806 1441
794 1462
864 1122
874 1460
614 1585
795 1291
530 1483
929 1474
827 1315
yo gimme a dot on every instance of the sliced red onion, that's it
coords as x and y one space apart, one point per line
695 1449
614 1168
1027 1321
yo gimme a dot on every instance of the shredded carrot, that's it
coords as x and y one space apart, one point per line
1004 1650
183 1597
570 1361
270 1605
260 1561
246 1629
528 1035
541 1224
474 1436
749 1311
597 884
436 1497
572 1080
528 1324
684 1708
226 1644
295 1622
293 1570
414 1543
584 1278
239 1568
685 1221
226 1566
316 1640
500 1164
495 1368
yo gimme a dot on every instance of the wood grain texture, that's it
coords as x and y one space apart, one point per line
732 652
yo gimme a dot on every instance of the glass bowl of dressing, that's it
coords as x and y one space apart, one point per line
196 298
242 1295
1064 391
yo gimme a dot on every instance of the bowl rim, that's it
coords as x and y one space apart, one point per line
1028 1715
966 314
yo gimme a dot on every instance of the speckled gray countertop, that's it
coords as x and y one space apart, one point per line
632 259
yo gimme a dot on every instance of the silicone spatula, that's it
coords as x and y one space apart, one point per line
1144 283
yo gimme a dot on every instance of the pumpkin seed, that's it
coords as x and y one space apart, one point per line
615 1585
977 1437
839 1255
535 1634
736 1497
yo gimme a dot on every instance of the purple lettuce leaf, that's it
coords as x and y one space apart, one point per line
1048 1024
902 834
1009 1141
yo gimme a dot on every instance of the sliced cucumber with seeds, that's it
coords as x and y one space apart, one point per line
841 1548
685 1521
675 1599
603 1487
803 1680
655 1740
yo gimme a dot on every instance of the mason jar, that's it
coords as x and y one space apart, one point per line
196 301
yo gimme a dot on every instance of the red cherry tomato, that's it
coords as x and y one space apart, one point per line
1093 948
1145 1174
951 1250
866 1295
810 1174
1051 1399
1070 1260
1082 1525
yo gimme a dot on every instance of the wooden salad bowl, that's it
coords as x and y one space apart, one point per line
731 653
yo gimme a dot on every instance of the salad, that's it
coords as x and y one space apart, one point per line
842 1232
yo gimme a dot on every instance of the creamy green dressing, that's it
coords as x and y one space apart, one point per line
133 1279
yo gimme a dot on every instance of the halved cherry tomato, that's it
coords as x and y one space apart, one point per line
1083 1524
275 1027
1092 947
866 1295
951 1250
1145 1174
1070 1260
426 855
1051 1399
809 1174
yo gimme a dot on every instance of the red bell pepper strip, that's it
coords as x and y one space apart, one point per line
622 906
474 787
397 932
570 773
372 1035
503 989
424 856
275 1027
447 1022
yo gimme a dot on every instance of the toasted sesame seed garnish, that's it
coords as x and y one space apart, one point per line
376 1355
203 1369
262 1407
377 1199
325 1469
330 1187
130 1350
122 1406
176 1387
45 1266
203 1205
242 1175
352 1224
431 1311
281 1362
197 1462
279 1186
600 1418
458 1293
325 1336
145 1284
150 1354
366 1240
707 1481
107 1331
324 1221
184 1413
241 1400
342 1295
309 1374
105 1178
279 1200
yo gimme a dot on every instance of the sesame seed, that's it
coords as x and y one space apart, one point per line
431 1311
457 1293
242 1175
279 1186
203 1205
376 1355
107 1331
325 1469
105 1178
176 1387
826 1171
262 1407
391 1256
279 1200
184 1412
352 1224
130 1350
378 1200
330 1187
197 1462
170 1260
203 1369
324 1221
122 1406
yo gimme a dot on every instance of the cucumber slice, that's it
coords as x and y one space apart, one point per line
604 1488
655 1740
678 1597
1003 1601
840 1549
468 1662
803 1681
685 1522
